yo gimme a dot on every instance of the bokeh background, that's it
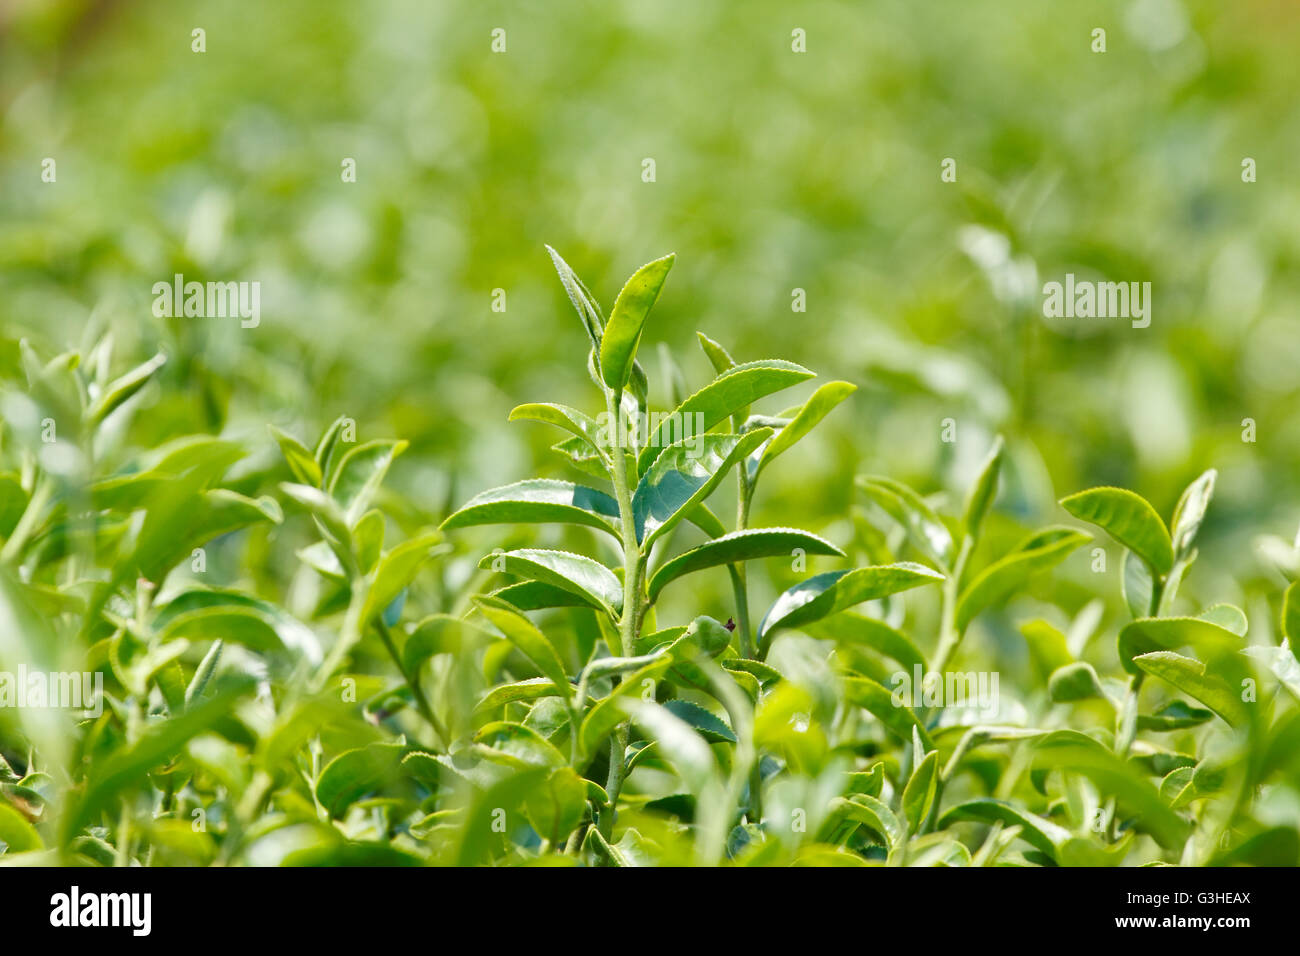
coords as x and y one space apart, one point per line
775 171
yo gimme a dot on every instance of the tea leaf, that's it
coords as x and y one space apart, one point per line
1038 832
983 491
1190 512
538 500
1166 633
301 461
119 390
608 713
622 335
360 473
910 510
562 569
352 774
740 546
731 391
825 594
1041 551
918 795
682 477
805 420
1129 519
532 643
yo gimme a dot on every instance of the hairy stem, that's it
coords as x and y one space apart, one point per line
630 616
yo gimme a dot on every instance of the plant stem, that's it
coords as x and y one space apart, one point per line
630 616
744 491
949 635
31 517
413 682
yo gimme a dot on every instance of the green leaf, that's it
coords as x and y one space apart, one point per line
871 812
833 591
1177 788
583 456
1149 634
533 688
918 795
354 773
608 713
622 335
1227 616
1190 512
1129 519
731 391
1281 663
1189 676
16 832
707 725
609 666
517 745
1047 647
325 448
1175 715
395 572
442 634
300 459
203 673
1291 614
910 510
683 476
1068 750
158 743
556 806
535 501
179 521
119 390
538 595
368 536
677 741
531 642
1043 550
583 303
1040 833
571 572
1077 681
877 700
805 420
984 491
718 356
580 425
1138 586
740 546
201 614
853 629
360 473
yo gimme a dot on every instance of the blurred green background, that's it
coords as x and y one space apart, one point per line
775 171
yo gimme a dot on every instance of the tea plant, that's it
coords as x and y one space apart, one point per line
384 703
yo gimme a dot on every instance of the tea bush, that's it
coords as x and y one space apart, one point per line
546 673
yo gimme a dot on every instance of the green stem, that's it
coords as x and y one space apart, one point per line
42 492
631 613
413 682
949 635
744 491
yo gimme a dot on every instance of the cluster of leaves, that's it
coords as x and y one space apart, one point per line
539 712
